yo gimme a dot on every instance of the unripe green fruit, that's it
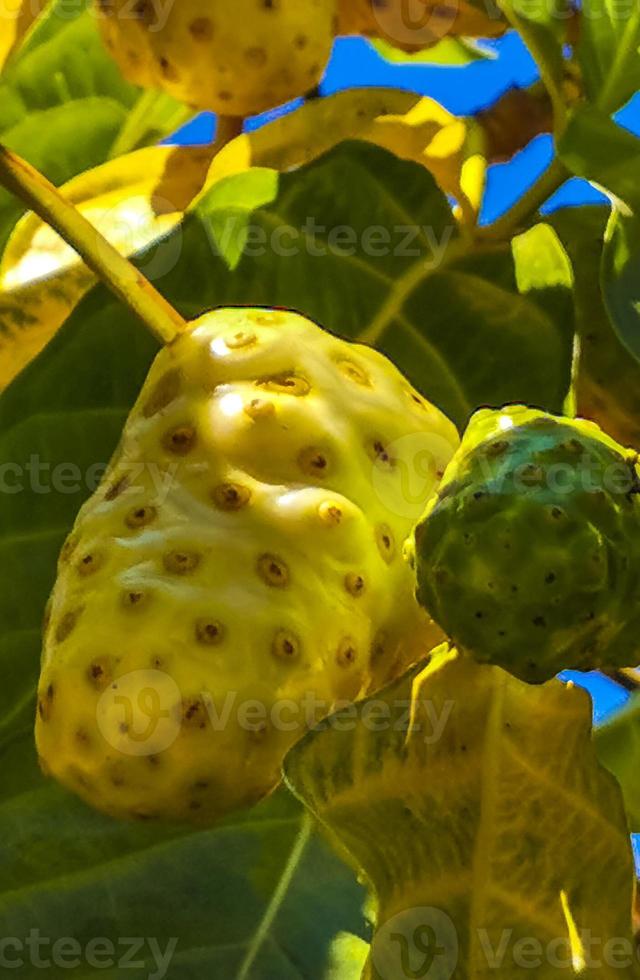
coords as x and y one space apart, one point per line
529 554
243 553
236 57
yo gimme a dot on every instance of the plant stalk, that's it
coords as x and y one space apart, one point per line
124 280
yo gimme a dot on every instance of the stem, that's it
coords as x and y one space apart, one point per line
627 677
528 205
124 280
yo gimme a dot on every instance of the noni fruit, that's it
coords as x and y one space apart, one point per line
237 57
529 554
239 572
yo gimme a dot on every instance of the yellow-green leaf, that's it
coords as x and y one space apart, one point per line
417 129
494 843
16 17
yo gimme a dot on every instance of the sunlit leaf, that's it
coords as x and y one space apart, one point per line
618 746
476 809
16 17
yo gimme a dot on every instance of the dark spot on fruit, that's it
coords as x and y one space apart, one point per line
231 496
180 441
88 564
314 462
355 584
99 673
330 514
134 598
286 645
68 548
166 390
209 632
225 96
285 384
479 615
194 714
479 494
347 653
550 578
539 621
260 408
257 57
379 453
273 571
557 513
386 542
67 625
117 488
181 562
169 71
497 448
45 703
355 373
141 517
201 29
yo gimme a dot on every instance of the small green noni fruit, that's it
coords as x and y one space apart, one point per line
528 556
236 57
239 571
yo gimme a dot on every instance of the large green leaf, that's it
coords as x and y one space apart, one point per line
594 147
618 747
607 375
608 51
476 808
621 279
65 106
368 247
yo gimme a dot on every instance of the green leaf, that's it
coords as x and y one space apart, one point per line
621 279
453 51
608 51
607 375
366 245
618 747
476 809
65 106
594 147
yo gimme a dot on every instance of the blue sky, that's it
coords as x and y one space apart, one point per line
464 91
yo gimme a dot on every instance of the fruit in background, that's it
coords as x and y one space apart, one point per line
413 25
529 554
244 549
237 58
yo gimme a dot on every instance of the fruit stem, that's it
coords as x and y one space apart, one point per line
124 280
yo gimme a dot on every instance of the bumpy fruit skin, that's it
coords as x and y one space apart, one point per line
236 57
245 548
529 554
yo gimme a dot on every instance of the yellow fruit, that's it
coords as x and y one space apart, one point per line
240 569
236 57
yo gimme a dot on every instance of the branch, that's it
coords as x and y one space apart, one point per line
128 284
